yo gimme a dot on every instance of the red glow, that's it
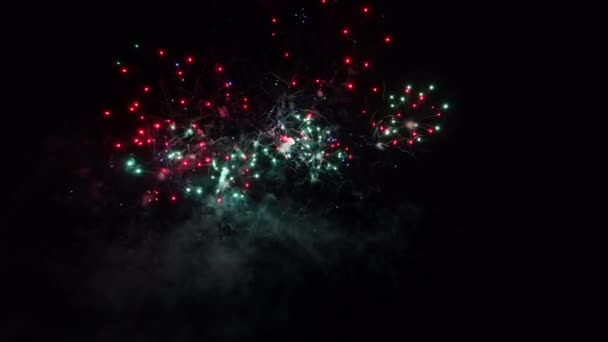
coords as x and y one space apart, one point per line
124 70
365 10
161 52
219 69
247 185
293 83
149 141
438 114
140 143
317 81
141 117
244 106
199 164
414 105
135 140
107 113
323 1
430 131
309 115
347 60
136 104
189 59
395 142
146 89
179 73
387 39
118 145
208 104
207 160
245 99
227 157
345 31
286 54
185 163
182 101
407 90
363 111
273 34
375 89
219 200
421 97
141 131
410 142
227 94
173 198
132 109
350 86
414 134
365 64
201 144
274 20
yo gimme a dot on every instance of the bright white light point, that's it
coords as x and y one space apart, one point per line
431 87
411 125
402 99
222 183
445 106
286 146
409 86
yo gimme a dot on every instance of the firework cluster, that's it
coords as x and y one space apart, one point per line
198 128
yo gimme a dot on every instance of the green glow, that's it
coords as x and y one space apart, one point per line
445 106
431 87
136 46
257 175
437 128
391 97
117 62
188 189
138 171
189 132
402 99
130 162
392 105
199 190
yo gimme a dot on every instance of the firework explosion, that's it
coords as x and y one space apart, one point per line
222 130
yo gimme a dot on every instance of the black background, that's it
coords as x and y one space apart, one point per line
470 187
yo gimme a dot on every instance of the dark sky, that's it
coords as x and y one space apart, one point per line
469 188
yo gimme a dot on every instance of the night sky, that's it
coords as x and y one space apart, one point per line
427 247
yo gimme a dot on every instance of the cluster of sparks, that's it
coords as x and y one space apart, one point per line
199 134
